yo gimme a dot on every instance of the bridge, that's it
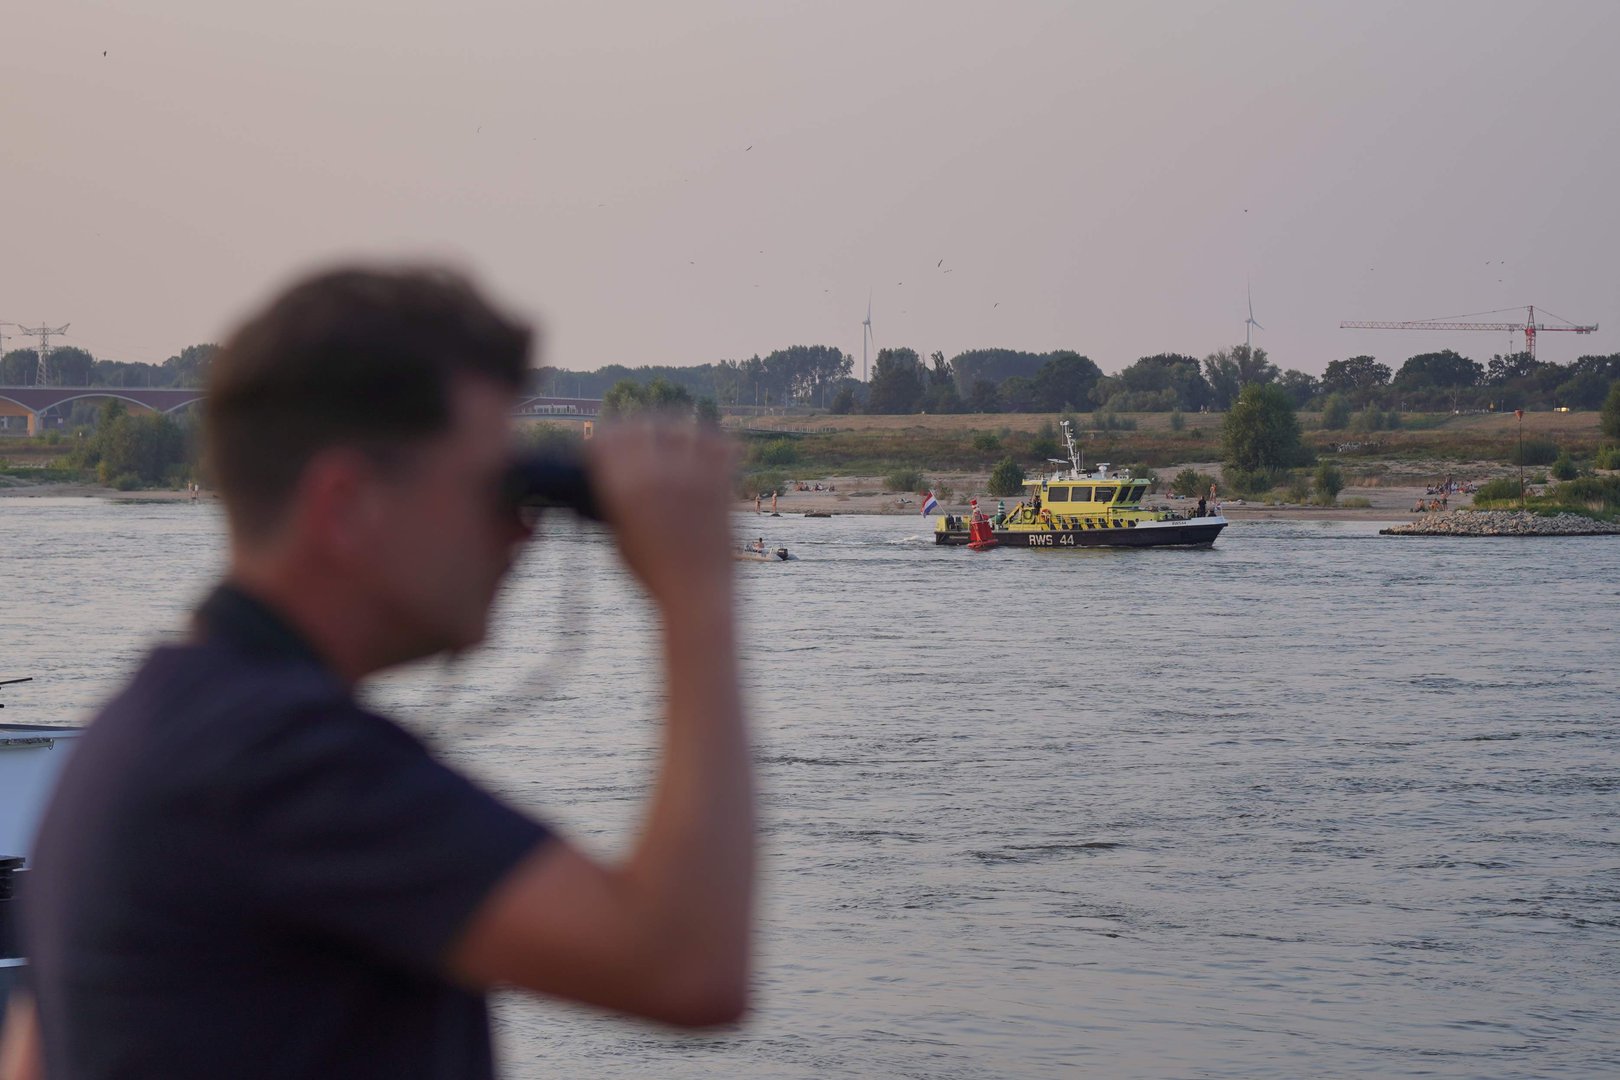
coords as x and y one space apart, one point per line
35 402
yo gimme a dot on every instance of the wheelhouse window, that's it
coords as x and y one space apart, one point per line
1105 494
1057 494
1080 494
1134 493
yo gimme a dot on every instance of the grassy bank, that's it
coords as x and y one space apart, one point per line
876 445
1596 497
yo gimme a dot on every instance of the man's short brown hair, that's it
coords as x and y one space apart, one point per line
349 357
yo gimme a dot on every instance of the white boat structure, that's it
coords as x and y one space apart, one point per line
31 757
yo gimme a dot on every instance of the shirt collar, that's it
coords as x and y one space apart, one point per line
231 615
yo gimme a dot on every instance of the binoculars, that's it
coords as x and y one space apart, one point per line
550 479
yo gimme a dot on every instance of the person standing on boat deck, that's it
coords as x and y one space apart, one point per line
244 872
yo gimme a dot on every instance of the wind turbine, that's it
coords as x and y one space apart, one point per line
1249 325
866 334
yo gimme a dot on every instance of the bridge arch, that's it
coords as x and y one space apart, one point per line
35 402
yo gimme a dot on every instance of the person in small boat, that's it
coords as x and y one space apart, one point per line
759 545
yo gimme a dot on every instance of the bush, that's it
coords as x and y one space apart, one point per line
1045 444
760 483
1535 452
944 493
777 453
1371 419
1564 468
553 438
708 413
1357 503
1007 478
125 482
1191 483
986 442
1609 417
145 447
1251 482
1177 421
1607 458
1502 489
907 479
1335 413
1109 420
1329 482
1595 491
1299 487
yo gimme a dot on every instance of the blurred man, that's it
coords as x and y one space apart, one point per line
244 872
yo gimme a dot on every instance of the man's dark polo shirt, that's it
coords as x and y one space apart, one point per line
244 874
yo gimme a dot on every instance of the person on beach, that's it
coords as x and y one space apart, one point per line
245 872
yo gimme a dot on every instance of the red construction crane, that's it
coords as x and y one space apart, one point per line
1529 328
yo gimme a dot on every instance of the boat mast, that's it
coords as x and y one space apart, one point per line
1076 458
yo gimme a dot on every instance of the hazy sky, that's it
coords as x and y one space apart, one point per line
1110 175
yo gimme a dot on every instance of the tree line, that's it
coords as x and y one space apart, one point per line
993 380
1009 380
69 365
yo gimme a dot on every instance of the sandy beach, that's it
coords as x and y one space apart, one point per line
24 490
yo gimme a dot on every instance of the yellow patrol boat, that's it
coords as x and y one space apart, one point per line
1076 507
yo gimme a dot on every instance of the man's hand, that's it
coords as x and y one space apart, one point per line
667 932
666 490
19 1042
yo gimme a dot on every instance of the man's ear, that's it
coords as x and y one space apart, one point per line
338 506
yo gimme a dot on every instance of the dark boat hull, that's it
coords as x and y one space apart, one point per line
1192 533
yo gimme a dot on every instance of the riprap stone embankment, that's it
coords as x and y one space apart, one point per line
1502 523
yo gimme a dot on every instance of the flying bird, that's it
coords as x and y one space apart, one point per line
996 304
940 263
747 148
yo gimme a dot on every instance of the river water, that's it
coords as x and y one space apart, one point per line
1313 803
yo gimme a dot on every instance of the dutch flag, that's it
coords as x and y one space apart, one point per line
930 504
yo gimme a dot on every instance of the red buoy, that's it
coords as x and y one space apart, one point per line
980 536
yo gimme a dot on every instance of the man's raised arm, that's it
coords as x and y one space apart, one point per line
666 934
